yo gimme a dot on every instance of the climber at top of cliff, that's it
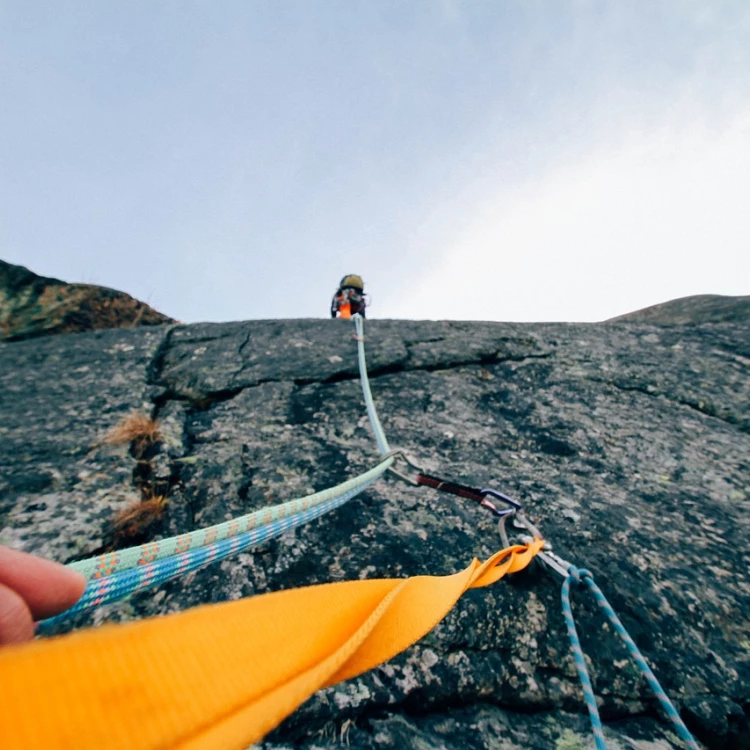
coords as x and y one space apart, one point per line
349 298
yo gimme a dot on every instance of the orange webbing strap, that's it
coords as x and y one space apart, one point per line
222 675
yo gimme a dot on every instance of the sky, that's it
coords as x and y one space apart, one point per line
478 160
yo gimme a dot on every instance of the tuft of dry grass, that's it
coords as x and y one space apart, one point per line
136 428
137 519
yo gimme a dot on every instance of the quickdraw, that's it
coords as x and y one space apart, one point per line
571 575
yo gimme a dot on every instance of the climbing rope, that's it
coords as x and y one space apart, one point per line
155 569
579 577
114 562
580 662
372 413
116 575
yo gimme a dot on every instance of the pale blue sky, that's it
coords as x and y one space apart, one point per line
487 160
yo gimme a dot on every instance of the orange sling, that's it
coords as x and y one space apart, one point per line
221 675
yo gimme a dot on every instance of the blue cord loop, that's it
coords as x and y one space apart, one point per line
574 577
583 577
578 574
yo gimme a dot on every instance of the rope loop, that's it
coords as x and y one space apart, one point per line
579 576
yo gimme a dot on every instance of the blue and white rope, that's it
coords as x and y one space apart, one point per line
580 662
583 576
131 557
116 575
112 588
377 428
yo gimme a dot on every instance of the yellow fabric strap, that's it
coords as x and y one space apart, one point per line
222 675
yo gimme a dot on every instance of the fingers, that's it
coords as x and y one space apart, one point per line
46 587
16 624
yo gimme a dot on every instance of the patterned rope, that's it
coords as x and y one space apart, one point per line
157 571
132 557
372 414
583 673
579 577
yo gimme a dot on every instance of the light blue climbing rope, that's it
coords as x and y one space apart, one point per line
377 428
112 588
131 557
581 577
583 673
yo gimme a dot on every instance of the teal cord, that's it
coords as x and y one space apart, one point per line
581 577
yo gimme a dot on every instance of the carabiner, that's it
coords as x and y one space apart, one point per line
501 496
399 453
550 559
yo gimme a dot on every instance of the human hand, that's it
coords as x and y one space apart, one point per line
32 588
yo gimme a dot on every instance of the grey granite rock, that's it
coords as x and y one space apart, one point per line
698 309
58 396
628 444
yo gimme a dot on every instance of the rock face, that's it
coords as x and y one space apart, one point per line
32 305
628 444
701 308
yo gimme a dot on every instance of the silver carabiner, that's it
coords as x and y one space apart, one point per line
399 453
